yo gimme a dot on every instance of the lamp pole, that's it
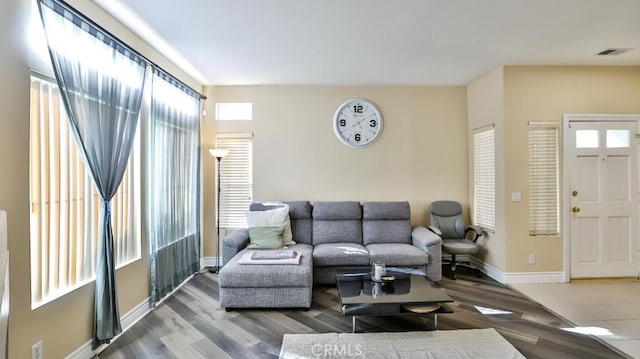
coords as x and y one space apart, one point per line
218 154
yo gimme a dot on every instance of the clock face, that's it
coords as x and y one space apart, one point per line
357 122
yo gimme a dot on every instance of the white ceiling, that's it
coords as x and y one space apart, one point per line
378 42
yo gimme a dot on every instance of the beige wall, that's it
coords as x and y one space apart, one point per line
64 324
486 107
545 94
420 157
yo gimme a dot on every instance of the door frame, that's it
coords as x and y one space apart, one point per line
566 190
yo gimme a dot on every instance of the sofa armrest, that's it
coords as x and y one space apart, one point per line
432 244
233 243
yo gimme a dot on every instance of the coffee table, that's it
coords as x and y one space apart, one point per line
411 293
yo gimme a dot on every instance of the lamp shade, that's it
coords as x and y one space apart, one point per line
218 152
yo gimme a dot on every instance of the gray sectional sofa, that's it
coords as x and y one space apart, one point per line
331 237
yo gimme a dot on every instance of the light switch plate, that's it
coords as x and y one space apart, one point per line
516 196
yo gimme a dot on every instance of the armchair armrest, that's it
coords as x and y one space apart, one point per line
436 230
233 243
477 231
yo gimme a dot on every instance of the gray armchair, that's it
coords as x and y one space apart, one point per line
457 238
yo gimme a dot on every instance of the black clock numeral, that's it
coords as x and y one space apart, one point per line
358 108
343 122
357 137
373 123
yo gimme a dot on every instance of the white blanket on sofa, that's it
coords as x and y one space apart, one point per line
247 258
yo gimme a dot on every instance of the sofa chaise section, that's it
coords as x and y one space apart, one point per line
268 286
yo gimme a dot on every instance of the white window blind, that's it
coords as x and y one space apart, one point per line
484 164
236 178
65 205
544 201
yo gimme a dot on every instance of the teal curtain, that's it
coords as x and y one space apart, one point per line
175 184
101 83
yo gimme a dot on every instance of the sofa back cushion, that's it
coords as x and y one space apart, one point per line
301 222
386 222
337 222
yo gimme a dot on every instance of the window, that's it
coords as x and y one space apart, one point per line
228 111
236 178
65 205
618 139
544 201
174 159
484 174
587 139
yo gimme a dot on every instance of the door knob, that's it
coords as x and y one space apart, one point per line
575 209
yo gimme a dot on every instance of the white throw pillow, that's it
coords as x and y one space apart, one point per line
272 218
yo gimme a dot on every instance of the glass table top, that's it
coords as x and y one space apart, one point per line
409 286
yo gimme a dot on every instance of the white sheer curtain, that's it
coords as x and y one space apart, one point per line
175 186
101 83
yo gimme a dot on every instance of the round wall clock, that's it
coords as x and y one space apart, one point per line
357 122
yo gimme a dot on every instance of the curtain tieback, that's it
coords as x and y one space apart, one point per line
107 208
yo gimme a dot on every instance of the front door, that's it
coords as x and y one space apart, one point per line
603 185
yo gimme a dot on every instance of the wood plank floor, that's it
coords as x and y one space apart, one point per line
190 324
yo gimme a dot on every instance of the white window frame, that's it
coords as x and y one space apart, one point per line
64 267
236 176
484 178
544 179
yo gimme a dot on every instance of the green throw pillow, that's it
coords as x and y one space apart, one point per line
266 238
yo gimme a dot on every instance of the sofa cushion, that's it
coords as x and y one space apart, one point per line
386 222
337 210
268 275
386 210
337 254
337 222
397 254
266 238
271 214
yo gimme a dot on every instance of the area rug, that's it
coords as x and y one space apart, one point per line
464 343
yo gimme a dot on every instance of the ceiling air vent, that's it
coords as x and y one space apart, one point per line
613 51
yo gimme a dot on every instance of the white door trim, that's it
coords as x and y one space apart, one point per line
566 200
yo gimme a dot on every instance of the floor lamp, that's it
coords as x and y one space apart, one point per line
218 153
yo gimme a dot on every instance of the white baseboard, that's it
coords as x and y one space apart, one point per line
517 277
127 321
208 262
534 277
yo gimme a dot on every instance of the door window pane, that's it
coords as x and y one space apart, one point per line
587 139
618 138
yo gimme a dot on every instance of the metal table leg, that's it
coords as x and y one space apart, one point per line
353 324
